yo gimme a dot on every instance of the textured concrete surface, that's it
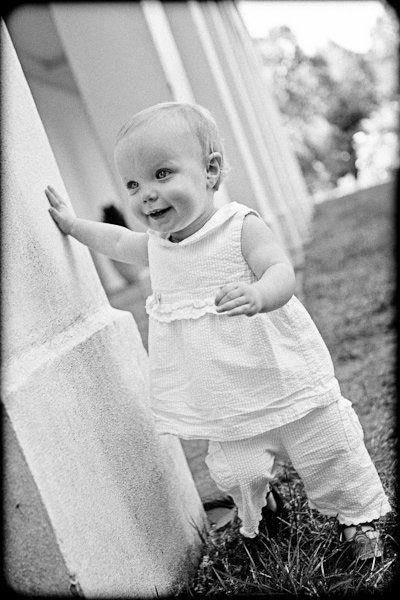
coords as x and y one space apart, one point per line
95 502
32 564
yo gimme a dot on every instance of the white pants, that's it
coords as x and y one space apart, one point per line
327 450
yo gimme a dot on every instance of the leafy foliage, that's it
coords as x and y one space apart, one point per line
326 99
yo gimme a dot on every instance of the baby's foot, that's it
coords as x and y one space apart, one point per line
364 539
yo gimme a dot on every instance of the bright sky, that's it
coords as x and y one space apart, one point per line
346 22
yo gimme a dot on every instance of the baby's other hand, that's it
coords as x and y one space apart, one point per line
238 299
62 214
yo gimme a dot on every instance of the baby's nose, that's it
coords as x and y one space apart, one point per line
149 195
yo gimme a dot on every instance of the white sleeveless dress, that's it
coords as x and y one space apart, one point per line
226 378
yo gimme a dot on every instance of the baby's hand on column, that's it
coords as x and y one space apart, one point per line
238 299
62 214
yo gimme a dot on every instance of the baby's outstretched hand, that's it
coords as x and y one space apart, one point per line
238 299
62 214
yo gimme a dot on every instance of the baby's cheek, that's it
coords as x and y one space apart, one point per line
134 209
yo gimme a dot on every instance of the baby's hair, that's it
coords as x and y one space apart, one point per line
199 119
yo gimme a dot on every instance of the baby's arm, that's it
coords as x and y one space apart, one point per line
114 241
268 261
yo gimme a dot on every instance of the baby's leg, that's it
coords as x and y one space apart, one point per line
327 449
243 469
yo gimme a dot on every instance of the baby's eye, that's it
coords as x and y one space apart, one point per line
162 173
132 185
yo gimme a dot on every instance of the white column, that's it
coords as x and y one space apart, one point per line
271 126
100 505
242 145
172 64
167 50
262 153
115 64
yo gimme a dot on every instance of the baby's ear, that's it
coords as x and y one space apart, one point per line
214 168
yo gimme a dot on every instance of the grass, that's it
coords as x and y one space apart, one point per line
349 291
306 560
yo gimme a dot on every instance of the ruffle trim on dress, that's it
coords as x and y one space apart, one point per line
182 309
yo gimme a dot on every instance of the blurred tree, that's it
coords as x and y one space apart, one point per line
383 55
353 97
299 84
377 141
327 99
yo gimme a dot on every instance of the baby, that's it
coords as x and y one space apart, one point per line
262 390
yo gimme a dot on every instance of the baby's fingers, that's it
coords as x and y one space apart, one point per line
53 197
227 292
240 310
55 214
228 305
57 217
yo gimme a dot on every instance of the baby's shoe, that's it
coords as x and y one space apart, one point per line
365 542
274 521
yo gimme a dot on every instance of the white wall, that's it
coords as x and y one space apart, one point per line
112 503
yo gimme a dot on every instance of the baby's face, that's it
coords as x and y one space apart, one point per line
163 170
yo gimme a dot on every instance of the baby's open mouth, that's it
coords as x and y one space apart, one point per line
158 213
